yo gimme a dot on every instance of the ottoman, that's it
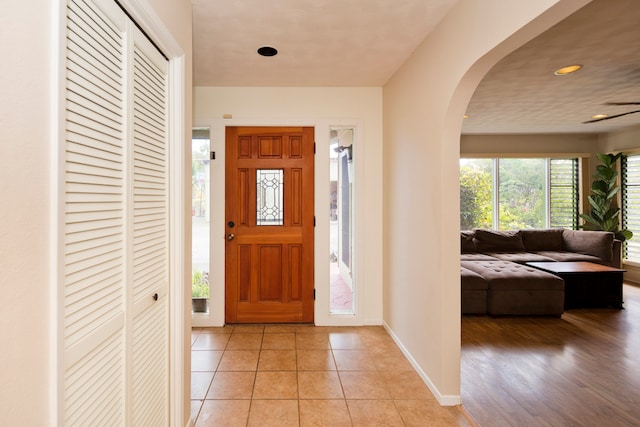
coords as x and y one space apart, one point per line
474 292
516 289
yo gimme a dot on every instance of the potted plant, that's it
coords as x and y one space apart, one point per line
199 292
604 215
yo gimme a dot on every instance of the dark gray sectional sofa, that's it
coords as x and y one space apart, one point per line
496 280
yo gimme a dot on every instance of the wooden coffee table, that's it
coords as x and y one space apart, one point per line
586 284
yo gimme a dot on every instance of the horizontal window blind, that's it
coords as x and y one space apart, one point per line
631 205
563 193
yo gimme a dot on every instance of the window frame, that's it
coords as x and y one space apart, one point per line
624 211
495 176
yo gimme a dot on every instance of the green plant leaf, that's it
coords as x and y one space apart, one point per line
624 235
613 193
612 213
596 203
605 173
604 158
589 219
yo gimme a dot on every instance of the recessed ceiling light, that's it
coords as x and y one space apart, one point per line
599 116
268 51
567 70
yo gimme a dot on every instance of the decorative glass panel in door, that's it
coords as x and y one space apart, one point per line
269 201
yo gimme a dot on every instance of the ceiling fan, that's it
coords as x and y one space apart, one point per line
615 115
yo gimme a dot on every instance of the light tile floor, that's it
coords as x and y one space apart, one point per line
299 375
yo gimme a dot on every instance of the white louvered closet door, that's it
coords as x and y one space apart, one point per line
115 318
149 236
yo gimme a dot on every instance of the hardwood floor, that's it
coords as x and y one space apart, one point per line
582 369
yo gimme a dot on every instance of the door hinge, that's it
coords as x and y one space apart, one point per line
314 148
314 294
314 220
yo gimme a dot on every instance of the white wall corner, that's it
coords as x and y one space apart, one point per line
443 399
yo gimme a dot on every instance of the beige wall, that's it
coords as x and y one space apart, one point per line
423 107
26 132
24 212
514 145
321 108
624 140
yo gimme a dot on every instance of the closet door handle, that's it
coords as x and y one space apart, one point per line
155 297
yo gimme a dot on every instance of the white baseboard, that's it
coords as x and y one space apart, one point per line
443 399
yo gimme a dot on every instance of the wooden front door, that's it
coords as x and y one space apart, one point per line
269 225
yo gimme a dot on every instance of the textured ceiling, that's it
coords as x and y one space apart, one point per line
363 42
320 42
522 95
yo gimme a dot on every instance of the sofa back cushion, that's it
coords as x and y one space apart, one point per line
549 239
596 243
466 242
498 241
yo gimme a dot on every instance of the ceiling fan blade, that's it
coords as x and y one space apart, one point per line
612 117
622 103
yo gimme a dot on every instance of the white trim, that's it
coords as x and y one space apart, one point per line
322 317
443 399
523 155
177 387
143 14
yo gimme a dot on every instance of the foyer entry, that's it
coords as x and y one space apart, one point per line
269 225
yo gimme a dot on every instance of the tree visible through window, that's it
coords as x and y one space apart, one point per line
509 194
476 193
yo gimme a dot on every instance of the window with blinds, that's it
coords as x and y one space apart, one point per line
563 193
631 205
531 193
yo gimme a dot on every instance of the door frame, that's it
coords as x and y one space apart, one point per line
322 317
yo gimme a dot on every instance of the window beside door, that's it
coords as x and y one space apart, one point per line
341 221
200 219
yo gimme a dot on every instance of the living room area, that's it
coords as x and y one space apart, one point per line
577 366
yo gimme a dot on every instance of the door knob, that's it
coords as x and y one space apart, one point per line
230 236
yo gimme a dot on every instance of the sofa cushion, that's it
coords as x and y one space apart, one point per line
562 256
596 243
474 292
498 241
470 280
505 275
521 257
516 289
466 241
476 256
543 239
